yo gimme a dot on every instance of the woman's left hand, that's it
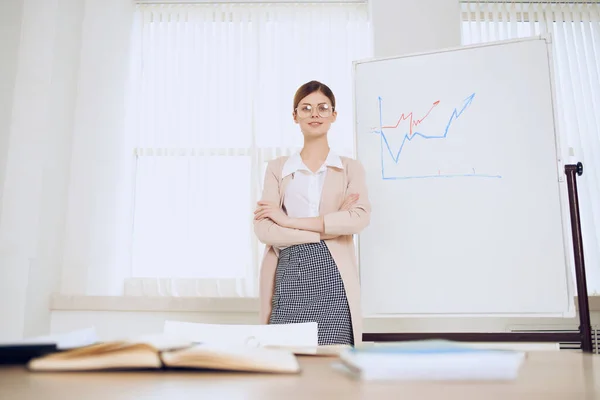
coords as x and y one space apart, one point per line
271 211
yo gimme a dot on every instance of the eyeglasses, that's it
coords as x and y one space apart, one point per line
306 110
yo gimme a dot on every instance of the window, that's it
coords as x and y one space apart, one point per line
575 29
213 101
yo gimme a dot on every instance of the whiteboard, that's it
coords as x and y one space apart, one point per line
466 182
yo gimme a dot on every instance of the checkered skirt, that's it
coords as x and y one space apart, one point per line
309 288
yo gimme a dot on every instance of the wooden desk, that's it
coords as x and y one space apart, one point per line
545 375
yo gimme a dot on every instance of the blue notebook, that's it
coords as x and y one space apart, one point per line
20 354
431 360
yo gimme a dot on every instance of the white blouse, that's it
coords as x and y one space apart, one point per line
302 196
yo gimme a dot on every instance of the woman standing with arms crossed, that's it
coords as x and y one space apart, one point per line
312 204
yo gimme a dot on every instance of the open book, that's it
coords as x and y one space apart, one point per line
164 352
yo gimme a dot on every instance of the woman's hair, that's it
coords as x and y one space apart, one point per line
311 87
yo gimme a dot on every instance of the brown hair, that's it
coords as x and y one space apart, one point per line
311 87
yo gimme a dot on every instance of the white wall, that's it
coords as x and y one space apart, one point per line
35 180
411 26
100 173
55 139
66 87
10 32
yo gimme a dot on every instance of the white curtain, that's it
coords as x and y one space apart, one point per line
575 31
214 85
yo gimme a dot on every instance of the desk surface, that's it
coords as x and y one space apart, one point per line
545 375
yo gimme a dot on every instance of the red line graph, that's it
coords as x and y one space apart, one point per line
413 123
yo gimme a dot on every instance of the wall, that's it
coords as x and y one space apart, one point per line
36 178
10 32
100 174
34 181
55 137
62 115
410 26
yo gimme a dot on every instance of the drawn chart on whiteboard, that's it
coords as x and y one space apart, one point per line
426 142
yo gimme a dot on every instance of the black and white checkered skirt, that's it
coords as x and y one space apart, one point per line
309 288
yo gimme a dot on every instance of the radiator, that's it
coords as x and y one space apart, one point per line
567 345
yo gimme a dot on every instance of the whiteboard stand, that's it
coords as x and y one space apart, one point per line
585 328
584 336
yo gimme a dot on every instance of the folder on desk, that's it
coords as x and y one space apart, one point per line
21 351
431 360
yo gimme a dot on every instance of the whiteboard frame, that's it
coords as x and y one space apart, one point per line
560 155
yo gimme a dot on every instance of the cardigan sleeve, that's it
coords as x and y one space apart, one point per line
270 233
358 217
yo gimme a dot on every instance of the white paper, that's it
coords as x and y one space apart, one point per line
281 335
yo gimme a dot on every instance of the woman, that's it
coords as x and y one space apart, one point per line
312 203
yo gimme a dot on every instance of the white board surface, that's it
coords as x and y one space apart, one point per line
466 182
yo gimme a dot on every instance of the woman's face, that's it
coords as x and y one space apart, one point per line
315 115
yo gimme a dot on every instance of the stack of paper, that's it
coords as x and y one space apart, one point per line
431 360
277 335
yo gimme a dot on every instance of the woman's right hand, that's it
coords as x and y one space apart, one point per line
349 202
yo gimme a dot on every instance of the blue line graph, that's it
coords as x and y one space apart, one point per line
408 138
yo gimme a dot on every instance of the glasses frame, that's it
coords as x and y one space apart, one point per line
332 110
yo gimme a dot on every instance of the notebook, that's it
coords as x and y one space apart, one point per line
21 353
431 360
166 352
23 350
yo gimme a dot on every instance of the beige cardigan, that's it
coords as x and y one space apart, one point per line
339 228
